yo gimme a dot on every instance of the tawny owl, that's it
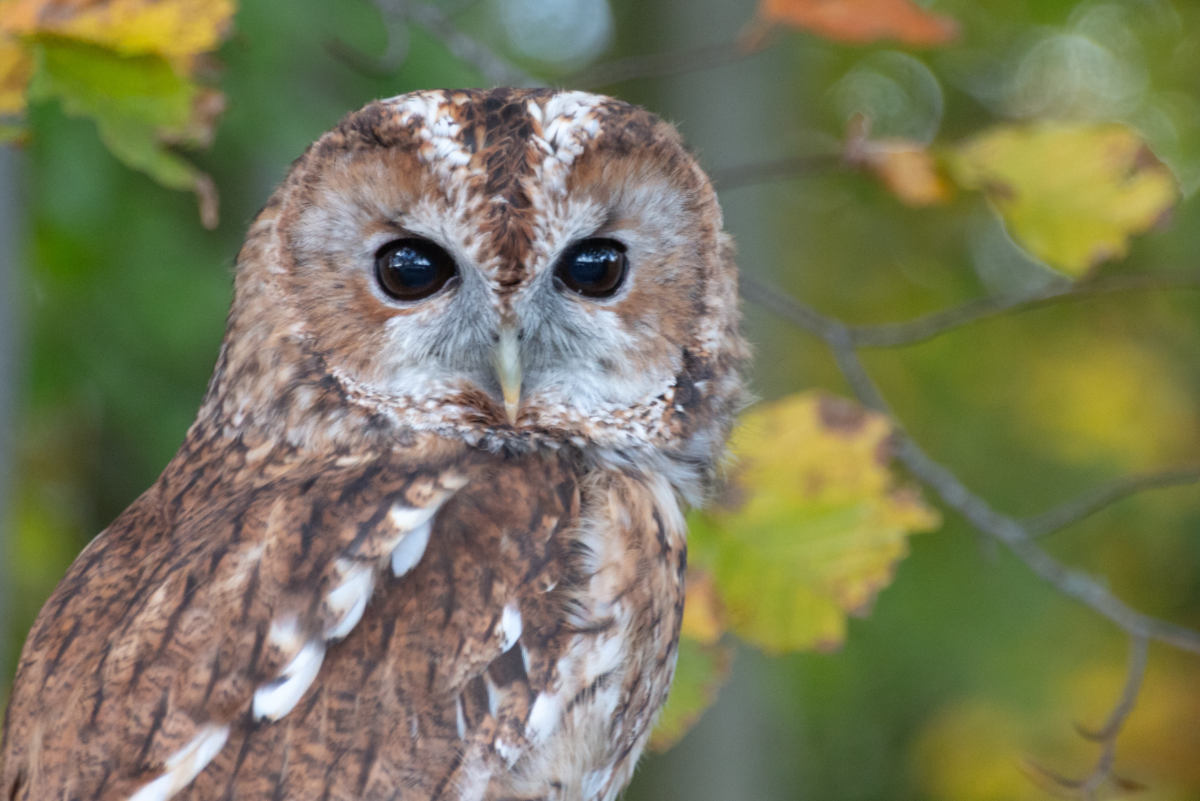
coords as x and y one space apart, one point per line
424 539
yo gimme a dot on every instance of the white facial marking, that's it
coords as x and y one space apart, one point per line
408 553
185 764
569 122
544 717
437 129
275 699
509 626
348 601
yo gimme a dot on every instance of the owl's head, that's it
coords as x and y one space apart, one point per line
503 267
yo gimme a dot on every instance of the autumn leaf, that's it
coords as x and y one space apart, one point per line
169 28
904 166
700 671
811 524
1071 196
862 21
139 104
126 64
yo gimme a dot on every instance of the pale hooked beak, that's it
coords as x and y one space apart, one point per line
506 358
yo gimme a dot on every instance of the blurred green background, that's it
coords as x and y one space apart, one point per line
968 666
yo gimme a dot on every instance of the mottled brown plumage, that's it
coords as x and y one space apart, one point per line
369 572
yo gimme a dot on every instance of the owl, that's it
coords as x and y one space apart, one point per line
425 539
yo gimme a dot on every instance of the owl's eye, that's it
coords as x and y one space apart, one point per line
594 268
413 269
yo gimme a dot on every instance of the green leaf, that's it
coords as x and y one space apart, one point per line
810 525
139 105
1071 196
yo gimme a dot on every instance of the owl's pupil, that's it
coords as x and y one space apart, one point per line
413 269
594 268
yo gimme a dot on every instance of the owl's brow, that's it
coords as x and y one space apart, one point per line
501 154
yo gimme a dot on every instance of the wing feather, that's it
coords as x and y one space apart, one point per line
338 625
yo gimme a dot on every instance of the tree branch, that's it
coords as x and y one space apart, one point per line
1088 787
890 335
1007 530
660 65
1093 501
844 340
726 178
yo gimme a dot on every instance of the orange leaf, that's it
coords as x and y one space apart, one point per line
862 21
908 170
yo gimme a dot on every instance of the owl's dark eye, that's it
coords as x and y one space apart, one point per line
413 269
594 268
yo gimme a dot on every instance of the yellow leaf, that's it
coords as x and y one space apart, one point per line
170 28
16 65
862 21
1072 196
811 525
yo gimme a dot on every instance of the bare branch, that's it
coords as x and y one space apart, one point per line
1088 787
727 178
1091 502
660 65
1007 530
890 335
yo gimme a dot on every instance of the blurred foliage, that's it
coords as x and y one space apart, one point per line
1071 196
129 65
809 526
1078 121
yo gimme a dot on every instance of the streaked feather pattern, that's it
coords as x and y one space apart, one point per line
369 572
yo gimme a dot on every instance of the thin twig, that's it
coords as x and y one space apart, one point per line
1007 530
1094 500
726 178
1088 787
659 65
909 332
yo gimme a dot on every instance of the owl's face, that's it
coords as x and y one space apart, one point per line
506 265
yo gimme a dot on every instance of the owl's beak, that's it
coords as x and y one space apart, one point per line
506 357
